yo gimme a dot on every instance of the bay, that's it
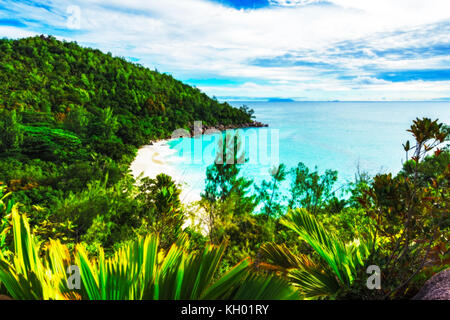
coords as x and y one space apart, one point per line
342 136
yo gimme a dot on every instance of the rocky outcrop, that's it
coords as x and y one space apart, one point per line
221 127
436 288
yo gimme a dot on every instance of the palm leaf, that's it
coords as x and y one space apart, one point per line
339 261
138 270
281 257
29 276
259 287
314 283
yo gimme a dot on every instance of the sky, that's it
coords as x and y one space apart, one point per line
237 50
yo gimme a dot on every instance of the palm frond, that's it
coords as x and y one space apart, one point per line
339 261
314 283
280 256
28 276
138 270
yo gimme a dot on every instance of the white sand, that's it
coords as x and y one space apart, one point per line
152 160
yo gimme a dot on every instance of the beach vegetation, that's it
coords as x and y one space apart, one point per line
71 122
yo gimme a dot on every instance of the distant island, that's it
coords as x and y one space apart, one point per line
280 100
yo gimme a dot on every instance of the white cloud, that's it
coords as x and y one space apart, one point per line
293 3
367 81
201 39
15 33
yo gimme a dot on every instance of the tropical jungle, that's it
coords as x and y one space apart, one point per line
71 122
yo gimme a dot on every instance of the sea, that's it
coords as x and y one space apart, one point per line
348 137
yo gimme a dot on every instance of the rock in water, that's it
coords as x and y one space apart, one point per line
436 288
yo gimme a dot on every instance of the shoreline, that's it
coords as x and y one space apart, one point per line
156 158
222 128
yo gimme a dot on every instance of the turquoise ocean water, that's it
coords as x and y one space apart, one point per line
326 135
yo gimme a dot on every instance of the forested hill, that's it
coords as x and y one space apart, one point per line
59 83
71 120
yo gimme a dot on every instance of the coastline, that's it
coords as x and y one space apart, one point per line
202 130
156 158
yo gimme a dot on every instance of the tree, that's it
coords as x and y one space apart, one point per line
52 144
162 209
101 214
77 121
410 213
250 112
11 132
226 193
269 192
310 190
105 125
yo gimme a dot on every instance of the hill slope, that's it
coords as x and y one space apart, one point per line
45 76
72 118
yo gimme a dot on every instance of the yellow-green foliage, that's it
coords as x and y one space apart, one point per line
137 271
28 275
337 267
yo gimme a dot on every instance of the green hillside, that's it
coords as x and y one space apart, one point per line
53 82
71 120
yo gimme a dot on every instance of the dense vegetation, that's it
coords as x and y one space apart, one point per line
70 122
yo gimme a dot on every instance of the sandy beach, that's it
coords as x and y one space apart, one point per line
157 158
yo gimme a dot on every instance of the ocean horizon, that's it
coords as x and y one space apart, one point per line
344 136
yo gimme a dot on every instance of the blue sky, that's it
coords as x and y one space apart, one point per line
304 49
245 4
